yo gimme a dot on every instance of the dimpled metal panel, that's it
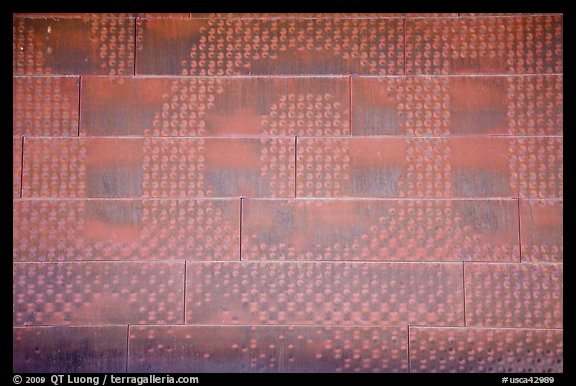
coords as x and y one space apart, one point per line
298 15
218 167
324 293
411 167
54 168
45 106
477 350
69 349
495 45
137 167
215 107
97 293
69 230
78 168
267 349
16 166
403 230
270 46
540 166
514 295
93 44
438 106
541 223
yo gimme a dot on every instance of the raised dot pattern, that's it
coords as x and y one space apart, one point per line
320 293
542 226
323 167
237 47
114 39
42 107
401 230
188 229
428 170
472 350
28 56
184 108
48 230
54 168
270 349
515 45
514 295
535 105
540 167
422 104
94 293
309 114
174 168
276 156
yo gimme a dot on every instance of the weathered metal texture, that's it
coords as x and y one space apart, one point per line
477 45
70 230
215 107
90 45
45 106
541 223
458 105
540 167
514 295
329 293
478 350
380 230
407 167
270 46
16 166
69 349
136 167
264 349
101 293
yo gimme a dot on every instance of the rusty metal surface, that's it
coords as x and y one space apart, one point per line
514 295
69 230
96 45
264 349
16 166
476 350
45 106
541 223
270 46
401 230
495 45
69 349
411 167
540 167
458 105
98 293
290 293
136 167
215 107
301 15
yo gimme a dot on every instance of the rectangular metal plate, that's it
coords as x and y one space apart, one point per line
541 223
267 349
490 350
381 230
458 105
70 349
101 293
69 230
184 107
45 106
514 295
91 45
359 294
